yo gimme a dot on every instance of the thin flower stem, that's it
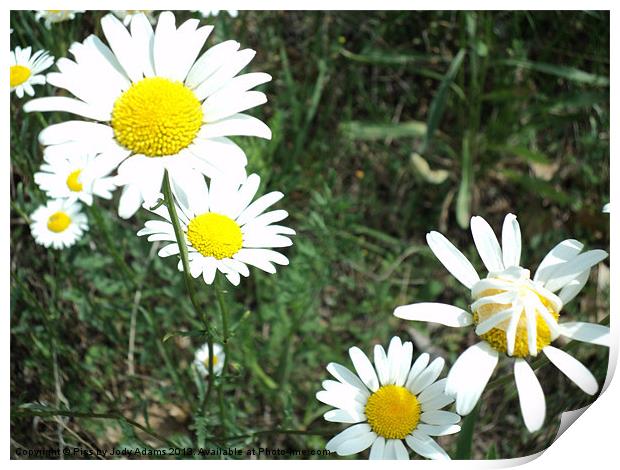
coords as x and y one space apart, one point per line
224 312
180 237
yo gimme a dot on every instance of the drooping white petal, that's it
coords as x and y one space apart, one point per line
438 430
573 369
356 444
487 244
377 449
349 433
588 332
572 288
433 312
494 320
531 395
452 259
469 375
423 445
511 241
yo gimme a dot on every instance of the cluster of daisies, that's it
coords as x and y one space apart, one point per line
515 316
151 111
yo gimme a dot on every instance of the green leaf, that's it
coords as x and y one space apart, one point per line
492 452
357 130
568 73
439 101
463 445
522 152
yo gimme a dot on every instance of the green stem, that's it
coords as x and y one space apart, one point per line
180 237
224 312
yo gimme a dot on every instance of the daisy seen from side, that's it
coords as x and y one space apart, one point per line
58 224
392 402
225 230
26 69
513 314
151 102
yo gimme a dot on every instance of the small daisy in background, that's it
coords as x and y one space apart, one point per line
127 15
70 173
58 224
55 16
224 230
208 13
393 401
513 314
26 69
152 103
201 359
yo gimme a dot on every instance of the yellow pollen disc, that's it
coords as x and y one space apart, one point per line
156 117
215 235
58 222
19 74
392 412
496 337
73 183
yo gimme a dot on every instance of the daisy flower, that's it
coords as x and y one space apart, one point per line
55 16
224 230
392 402
127 15
208 13
70 173
151 103
201 359
58 224
26 69
513 314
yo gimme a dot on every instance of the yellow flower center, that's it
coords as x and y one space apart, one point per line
58 222
19 74
496 337
72 181
392 412
215 235
214 361
156 117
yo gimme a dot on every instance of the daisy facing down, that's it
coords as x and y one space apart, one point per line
201 359
513 314
70 173
58 224
152 103
26 69
388 403
224 230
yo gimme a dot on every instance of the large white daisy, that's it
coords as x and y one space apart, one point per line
224 230
58 224
55 16
71 173
26 69
156 106
388 403
513 314
201 359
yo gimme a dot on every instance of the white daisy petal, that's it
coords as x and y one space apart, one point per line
572 288
382 365
351 432
469 375
423 445
428 376
487 244
573 369
345 376
400 450
443 314
588 332
561 253
511 241
572 269
531 395
364 368
452 259
418 366
356 444
377 449
344 416
438 430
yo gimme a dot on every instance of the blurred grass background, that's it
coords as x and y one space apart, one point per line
386 125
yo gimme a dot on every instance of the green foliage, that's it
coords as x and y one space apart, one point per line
509 112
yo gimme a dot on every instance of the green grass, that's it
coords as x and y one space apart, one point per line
511 109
